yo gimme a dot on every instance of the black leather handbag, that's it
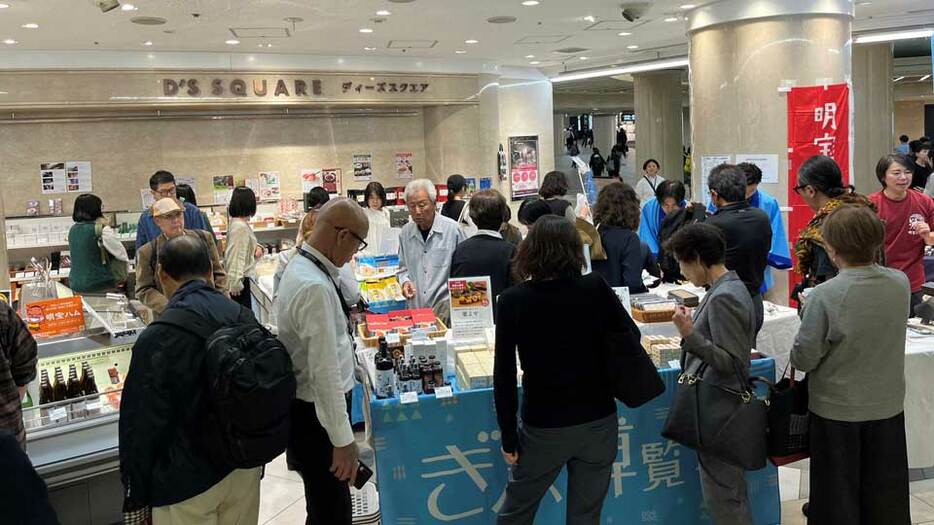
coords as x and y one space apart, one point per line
726 423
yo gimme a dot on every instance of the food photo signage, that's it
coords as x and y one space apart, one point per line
471 307
523 164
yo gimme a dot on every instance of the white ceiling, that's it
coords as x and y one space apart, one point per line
331 28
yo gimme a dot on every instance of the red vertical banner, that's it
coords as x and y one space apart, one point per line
818 124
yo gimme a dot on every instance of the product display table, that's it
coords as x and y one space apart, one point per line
779 327
919 399
439 461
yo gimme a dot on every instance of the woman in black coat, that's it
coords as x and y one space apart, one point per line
617 218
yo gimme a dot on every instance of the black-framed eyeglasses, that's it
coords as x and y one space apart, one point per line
797 189
363 244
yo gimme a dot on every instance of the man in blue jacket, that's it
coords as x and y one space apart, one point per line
779 254
162 185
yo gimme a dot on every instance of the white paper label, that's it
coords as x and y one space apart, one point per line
674 364
94 405
408 398
443 392
58 414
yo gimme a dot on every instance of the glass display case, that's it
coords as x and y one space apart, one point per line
72 410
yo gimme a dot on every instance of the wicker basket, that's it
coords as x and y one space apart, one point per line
371 340
660 316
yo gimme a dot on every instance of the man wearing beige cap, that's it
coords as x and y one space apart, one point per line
169 217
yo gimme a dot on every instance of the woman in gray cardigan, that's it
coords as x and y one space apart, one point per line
852 345
721 335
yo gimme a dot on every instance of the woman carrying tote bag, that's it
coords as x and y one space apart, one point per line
716 345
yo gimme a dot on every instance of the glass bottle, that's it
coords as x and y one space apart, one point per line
46 395
59 388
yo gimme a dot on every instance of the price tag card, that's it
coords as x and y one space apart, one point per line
58 414
408 398
444 392
674 364
94 405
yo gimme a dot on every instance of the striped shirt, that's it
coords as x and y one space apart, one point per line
18 357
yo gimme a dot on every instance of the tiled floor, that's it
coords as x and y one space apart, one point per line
283 501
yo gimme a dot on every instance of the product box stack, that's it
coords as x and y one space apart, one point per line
474 367
662 349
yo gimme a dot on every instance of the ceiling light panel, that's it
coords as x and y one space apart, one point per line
383 12
890 37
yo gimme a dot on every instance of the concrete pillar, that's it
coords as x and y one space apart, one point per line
658 121
488 89
604 133
741 53
873 111
4 259
452 143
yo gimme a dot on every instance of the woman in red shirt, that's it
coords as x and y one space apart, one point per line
908 216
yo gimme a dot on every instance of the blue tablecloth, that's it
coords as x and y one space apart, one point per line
439 461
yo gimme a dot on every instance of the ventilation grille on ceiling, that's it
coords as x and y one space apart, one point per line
543 39
260 32
501 19
616 25
148 20
412 44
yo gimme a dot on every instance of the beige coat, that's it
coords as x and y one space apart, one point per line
148 287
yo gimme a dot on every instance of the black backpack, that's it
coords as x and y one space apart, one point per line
249 386
693 213
598 165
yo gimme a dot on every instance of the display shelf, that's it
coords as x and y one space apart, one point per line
41 246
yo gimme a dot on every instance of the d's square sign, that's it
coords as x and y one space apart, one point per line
194 87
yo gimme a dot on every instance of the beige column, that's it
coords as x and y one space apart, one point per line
741 54
452 143
658 121
604 133
4 259
873 111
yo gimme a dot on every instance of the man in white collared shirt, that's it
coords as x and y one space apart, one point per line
425 247
314 326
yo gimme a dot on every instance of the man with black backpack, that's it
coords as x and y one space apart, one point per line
205 403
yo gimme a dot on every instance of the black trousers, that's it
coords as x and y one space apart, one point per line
859 472
759 311
916 300
245 298
327 499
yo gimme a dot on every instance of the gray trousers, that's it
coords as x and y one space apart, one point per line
588 450
724 488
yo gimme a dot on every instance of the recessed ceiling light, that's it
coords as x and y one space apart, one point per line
383 12
128 7
471 41
534 63
529 56
688 6
530 3
624 33
147 43
366 30
30 26
460 52
583 58
590 18
4 6
672 19
369 49
632 47
10 42
232 42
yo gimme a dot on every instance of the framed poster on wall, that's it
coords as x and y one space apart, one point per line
523 166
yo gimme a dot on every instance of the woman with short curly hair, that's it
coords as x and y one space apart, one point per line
616 215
